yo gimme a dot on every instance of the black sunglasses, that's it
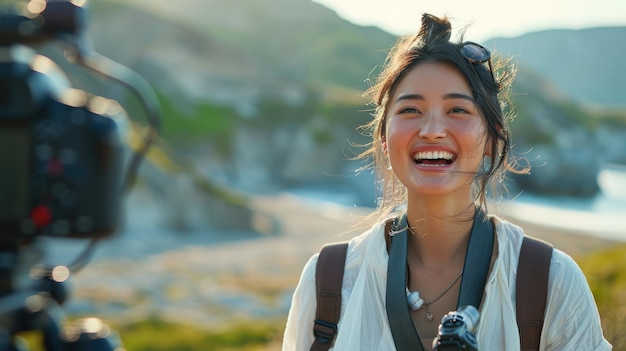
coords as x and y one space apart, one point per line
478 54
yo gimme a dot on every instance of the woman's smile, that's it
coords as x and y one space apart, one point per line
434 158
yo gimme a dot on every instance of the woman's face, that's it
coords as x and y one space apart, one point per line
435 135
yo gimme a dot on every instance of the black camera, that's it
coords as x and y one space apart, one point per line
60 149
60 152
61 168
456 331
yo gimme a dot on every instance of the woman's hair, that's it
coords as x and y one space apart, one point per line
432 44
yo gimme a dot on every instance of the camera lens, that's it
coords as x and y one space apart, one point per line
470 316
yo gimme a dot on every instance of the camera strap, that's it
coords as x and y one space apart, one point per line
476 267
400 322
477 261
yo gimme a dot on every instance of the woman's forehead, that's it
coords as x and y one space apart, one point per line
432 79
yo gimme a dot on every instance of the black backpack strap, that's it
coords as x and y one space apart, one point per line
477 261
405 336
532 290
328 281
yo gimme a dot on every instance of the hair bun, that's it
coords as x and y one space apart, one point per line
433 29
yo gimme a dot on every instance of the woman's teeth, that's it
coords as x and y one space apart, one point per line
434 157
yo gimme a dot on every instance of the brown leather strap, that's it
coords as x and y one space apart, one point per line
328 280
532 290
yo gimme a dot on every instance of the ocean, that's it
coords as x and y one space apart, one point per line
603 215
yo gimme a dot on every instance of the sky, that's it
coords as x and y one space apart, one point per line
486 18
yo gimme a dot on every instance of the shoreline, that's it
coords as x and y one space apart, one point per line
572 231
566 233
574 243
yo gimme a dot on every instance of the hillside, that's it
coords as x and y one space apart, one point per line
227 52
585 64
267 96
280 45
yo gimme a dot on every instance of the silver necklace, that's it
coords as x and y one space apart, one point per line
416 302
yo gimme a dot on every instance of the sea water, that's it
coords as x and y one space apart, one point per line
601 215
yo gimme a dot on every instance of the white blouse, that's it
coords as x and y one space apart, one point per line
571 322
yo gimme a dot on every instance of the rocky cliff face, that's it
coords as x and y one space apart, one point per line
564 142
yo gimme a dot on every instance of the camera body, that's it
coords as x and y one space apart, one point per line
60 152
456 331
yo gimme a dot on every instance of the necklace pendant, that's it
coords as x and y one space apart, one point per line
429 316
414 300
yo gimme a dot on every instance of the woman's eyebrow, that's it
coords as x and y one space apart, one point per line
446 97
409 97
458 96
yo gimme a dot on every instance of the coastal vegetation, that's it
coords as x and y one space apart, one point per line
607 278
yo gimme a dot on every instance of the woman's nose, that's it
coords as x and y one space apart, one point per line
432 127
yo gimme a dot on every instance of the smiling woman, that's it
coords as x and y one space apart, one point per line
439 138
435 90
431 114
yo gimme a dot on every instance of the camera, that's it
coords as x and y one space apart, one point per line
60 149
62 171
60 153
456 331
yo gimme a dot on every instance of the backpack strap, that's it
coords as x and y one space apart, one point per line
328 280
532 290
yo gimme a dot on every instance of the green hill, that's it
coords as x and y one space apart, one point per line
269 48
253 76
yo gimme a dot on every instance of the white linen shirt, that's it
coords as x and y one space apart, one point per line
571 321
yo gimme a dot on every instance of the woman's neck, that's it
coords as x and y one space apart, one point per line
440 230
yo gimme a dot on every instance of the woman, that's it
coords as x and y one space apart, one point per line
439 138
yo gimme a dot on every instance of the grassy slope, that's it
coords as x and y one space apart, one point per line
606 272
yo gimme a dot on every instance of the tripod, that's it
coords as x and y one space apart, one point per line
38 307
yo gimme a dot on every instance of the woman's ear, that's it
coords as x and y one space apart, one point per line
385 155
488 152
383 146
490 143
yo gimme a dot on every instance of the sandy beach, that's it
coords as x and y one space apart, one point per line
205 282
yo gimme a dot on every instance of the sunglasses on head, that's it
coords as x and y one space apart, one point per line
478 54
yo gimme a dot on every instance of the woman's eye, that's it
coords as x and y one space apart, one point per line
459 110
409 110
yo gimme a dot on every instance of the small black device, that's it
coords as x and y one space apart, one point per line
456 331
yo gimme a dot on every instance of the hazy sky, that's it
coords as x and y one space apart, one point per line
488 18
